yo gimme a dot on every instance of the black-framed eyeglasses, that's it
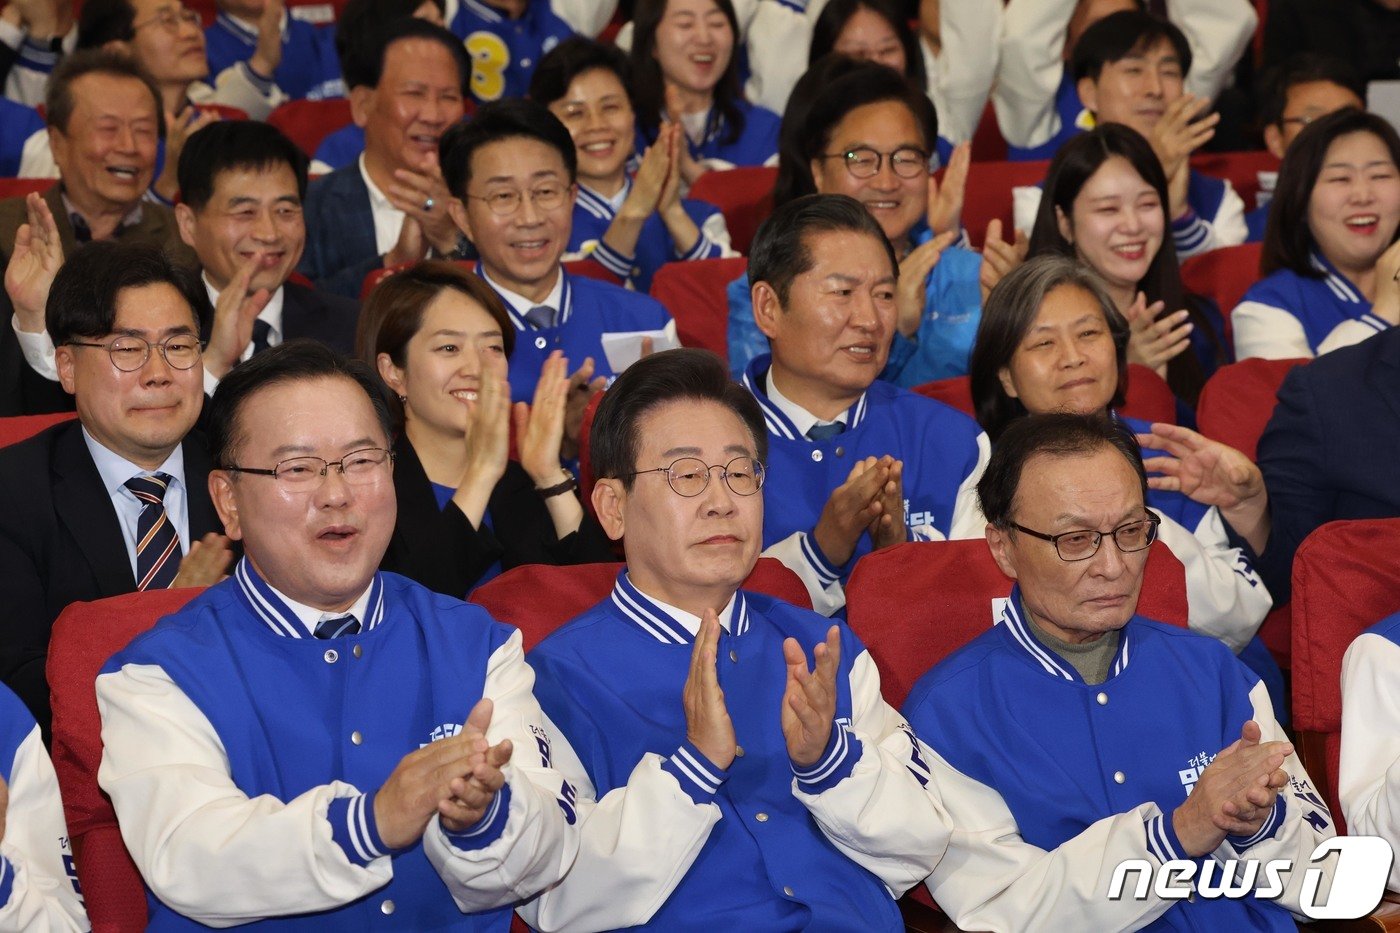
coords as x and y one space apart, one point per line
172 19
130 353
359 468
690 476
545 197
1133 536
865 162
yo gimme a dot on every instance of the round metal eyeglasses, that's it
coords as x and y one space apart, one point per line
690 476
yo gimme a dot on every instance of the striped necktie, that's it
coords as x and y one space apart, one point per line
335 626
157 544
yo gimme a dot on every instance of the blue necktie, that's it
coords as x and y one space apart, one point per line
825 432
540 317
261 334
336 626
157 544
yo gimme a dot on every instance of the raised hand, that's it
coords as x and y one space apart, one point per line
999 257
691 170
888 527
1156 338
651 178
234 314
470 795
945 201
267 55
914 269
539 426
411 245
1208 471
35 260
488 426
809 702
1234 794
179 127
1180 131
424 196
851 508
707 723
582 387
206 563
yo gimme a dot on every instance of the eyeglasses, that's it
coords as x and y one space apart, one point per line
505 203
1082 545
865 162
303 474
690 476
128 353
171 20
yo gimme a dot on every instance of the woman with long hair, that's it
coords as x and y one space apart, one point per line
439 337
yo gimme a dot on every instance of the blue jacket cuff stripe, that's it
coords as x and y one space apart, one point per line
842 752
264 85
699 778
487 829
7 880
1266 831
1375 322
37 57
354 830
702 248
1161 839
610 259
825 571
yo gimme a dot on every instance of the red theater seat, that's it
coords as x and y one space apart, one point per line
694 293
743 195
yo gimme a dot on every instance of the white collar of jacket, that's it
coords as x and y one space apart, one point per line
272 608
779 423
601 206
514 302
247 33
1338 283
1054 665
663 623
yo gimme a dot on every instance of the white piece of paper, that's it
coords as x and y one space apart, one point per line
625 347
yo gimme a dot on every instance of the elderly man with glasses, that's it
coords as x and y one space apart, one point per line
314 743
735 764
1095 737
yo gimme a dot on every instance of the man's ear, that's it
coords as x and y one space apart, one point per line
767 309
457 210
225 495
184 217
999 540
1273 140
64 361
1088 89
361 104
608 500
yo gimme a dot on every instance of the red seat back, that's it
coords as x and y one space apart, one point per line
694 293
955 392
1149 396
538 598
23 427
743 195
1223 276
307 122
988 145
84 637
988 195
1345 577
915 604
1238 400
1240 169
19 187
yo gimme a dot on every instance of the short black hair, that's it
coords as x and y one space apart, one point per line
1288 239
509 118
1057 435
357 29
362 63
672 375
83 299
297 360
58 97
230 145
1303 68
103 21
1119 35
571 58
782 250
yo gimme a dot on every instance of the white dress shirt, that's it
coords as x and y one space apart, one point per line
388 219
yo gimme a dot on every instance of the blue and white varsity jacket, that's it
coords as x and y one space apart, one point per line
338 149
588 310
1077 779
594 213
669 841
309 68
24 142
504 51
38 884
243 757
1369 779
944 453
756 145
1288 315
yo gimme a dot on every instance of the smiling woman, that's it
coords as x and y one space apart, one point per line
439 337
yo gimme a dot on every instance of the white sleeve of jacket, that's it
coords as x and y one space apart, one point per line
960 76
1369 782
968 520
36 848
1267 332
879 815
1030 68
203 846
585 17
1225 598
798 553
538 844
779 38
1218 32
36 158
1226 228
634 846
236 86
1352 332
1025 204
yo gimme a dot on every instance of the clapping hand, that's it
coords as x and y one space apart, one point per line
1156 338
945 201
1180 131
809 702
853 508
1235 793
707 723
237 308
999 257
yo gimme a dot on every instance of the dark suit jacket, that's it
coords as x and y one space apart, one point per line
331 319
22 391
60 542
440 549
1330 451
340 246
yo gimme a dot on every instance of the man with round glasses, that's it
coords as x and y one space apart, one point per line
1093 735
295 745
117 500
736 766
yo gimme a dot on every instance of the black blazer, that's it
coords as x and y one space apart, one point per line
1330 451
340 245
60 542
331 319
440 549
